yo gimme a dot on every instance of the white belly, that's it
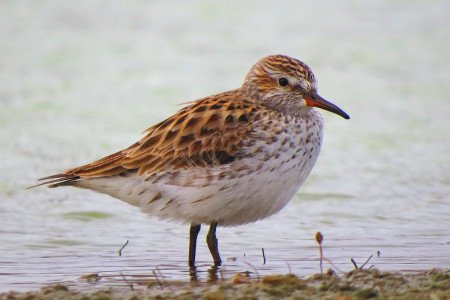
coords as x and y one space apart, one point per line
243 191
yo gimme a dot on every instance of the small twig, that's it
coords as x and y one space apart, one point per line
264 257
163 278
221 274
319 239
354 263
289 268
366 261
120 251
160 274
256 271
157 280
356 266
333 265
130 284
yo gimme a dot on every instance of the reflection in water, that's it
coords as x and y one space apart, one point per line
155 278
193 274
212 274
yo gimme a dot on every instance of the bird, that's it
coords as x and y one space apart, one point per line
225 160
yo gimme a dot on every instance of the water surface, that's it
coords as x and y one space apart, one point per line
80 81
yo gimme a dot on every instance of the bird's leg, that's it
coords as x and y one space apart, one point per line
211 240
193 233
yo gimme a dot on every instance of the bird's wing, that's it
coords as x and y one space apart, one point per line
209 131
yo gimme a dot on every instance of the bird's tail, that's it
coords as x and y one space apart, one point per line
57 180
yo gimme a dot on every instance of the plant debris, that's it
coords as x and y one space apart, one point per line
357 284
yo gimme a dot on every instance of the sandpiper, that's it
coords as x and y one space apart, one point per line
224 160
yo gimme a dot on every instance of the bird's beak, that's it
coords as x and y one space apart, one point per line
317 101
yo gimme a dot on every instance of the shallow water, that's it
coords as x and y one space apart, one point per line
81 81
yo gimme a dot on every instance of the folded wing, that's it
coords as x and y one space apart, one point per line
209 131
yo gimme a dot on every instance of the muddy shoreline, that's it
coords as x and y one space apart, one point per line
357 284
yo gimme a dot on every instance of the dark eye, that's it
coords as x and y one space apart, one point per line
283 81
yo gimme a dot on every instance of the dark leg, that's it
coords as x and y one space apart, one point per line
193 233
211 240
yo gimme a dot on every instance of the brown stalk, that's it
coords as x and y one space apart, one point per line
319 239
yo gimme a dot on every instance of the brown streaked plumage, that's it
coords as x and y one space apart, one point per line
209 131
227 159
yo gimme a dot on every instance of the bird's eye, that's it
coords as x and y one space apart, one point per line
283 81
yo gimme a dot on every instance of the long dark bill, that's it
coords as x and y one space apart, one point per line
317 101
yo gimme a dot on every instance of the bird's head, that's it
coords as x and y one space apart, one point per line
286 84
